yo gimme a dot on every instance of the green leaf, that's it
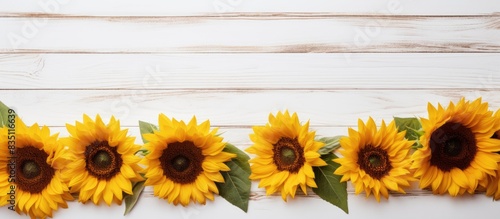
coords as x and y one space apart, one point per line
142 152
131 200
331 144
330 188
4 114
236 186
146 128
413 129
411 125
241 157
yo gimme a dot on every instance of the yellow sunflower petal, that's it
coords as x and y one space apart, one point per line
102 164
373 163
37 197
452 164
194 153
297 154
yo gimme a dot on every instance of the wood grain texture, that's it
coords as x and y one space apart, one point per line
273 207
204 7
238 136
250 71
232 108
250 34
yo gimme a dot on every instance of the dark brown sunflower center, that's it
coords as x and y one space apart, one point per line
34 172
452 145
30 169
374 161
102 160
288 155
182 162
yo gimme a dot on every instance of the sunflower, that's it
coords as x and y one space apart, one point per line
34 169
103 162
457 149
492 183
496 135
375 161
286 152
185 161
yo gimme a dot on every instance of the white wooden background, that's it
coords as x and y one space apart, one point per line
236 61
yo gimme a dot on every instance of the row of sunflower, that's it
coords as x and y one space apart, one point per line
455 150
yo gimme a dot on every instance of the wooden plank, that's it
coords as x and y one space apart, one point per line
250 71
345 34
262 206
203 7
412 207
238 136
232 108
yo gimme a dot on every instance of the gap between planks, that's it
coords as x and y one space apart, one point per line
242 15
